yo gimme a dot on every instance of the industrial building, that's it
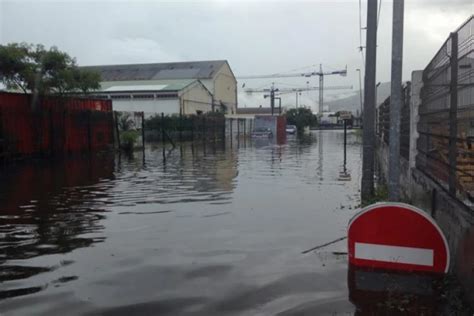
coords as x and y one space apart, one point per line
170 88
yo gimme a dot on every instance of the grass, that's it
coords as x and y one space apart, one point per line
380 195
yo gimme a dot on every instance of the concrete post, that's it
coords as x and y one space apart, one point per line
367 187
395 102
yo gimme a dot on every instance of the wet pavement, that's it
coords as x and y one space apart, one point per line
216 229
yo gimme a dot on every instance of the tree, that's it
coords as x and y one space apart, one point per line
35 69
301 117
16 66
87 80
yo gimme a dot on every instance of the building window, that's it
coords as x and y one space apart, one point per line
143 96
120 96
166 96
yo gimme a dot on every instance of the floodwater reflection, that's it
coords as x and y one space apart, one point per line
213 229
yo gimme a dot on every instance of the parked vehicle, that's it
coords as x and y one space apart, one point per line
262 133
291 129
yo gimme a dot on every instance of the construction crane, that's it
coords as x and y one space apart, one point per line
292 90
319 73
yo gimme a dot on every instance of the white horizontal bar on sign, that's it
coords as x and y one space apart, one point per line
395 254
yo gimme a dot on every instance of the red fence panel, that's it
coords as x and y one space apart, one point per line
53 126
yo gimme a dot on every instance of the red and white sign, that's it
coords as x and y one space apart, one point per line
397 236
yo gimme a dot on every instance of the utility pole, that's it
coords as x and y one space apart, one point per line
395 102
368 137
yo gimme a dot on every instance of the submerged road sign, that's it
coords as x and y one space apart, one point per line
397 236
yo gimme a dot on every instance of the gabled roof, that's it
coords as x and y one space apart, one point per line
159 71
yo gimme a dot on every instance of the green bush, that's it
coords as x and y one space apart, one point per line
128 140
300 117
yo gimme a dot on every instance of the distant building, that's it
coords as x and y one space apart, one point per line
171 88
328 118
251 112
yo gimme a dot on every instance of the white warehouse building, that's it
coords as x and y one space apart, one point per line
170 88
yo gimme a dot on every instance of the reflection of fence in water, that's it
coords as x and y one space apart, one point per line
446 125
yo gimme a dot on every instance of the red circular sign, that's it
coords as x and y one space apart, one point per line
397 236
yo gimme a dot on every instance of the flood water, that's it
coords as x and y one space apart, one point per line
216 229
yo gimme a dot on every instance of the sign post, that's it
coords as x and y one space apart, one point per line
399 237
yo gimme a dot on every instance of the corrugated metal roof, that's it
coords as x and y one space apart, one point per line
159 71
145 85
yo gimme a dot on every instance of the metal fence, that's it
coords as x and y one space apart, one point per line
53 126
383 121
446 124
209 126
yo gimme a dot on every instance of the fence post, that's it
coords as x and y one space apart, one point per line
51 133
180 127
89 132
163 128
345 144
204 128
143 134
117 129
453 127
214 129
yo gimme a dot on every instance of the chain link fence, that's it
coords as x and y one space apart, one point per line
446 123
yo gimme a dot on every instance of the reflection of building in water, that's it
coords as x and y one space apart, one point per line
46 207
213 167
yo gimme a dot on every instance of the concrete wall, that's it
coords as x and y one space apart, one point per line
196 98
149 106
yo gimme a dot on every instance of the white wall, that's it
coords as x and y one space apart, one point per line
149 106
196 98
224 88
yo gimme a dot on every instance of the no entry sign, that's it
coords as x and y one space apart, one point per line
397 236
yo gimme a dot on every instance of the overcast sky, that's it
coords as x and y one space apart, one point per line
256 37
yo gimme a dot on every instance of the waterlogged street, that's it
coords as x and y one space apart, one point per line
213 230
